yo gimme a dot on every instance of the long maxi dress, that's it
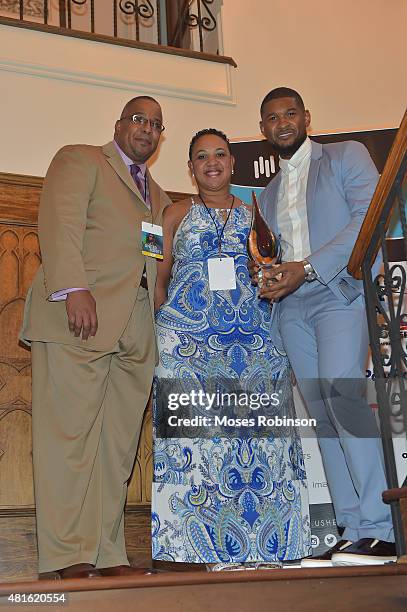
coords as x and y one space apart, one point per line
222 494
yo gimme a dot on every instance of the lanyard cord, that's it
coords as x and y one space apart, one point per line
220 236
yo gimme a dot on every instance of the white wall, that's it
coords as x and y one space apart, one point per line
347 58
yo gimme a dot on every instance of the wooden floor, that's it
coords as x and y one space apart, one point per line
370 589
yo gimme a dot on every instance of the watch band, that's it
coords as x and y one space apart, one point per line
310 274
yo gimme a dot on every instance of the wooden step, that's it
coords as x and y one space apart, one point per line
374 588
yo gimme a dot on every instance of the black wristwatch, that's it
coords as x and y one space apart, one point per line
310 274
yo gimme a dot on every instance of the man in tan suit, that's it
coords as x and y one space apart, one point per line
89 319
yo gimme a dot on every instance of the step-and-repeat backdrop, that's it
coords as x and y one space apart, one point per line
256 164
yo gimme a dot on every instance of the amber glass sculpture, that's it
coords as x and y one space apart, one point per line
263 246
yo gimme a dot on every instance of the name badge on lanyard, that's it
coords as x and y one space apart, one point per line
222 274
221 269
152 240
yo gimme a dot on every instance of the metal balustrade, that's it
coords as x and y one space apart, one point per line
386 308
192 26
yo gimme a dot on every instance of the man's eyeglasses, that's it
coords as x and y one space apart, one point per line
142 121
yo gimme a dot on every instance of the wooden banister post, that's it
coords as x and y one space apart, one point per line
62 13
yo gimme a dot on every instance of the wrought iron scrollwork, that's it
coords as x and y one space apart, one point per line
184 25
391 320
386 308
207 22
132 7
33 8
84 5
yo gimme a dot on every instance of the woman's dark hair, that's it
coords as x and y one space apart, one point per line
206 132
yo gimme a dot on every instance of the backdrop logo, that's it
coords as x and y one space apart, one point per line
264 166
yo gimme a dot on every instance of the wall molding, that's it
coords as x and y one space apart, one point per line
53 57
100 80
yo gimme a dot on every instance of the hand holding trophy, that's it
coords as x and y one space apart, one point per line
264 248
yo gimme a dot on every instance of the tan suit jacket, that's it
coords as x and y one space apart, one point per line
90 235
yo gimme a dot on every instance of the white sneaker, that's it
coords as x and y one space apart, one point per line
325 560
367 551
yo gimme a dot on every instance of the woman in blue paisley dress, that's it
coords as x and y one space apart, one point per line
221 495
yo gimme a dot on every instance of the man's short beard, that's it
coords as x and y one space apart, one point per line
289 150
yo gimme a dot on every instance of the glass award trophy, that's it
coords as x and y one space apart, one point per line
263 246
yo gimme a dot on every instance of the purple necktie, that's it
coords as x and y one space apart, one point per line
135 172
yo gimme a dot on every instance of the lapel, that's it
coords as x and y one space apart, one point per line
157 202
118 165
316 155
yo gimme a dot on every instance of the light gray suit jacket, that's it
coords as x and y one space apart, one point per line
341 182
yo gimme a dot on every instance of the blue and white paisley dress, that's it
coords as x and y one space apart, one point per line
223 498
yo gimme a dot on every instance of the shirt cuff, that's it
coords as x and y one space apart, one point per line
59 296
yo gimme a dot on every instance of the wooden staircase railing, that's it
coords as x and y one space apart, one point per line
386 308
379 213
399 497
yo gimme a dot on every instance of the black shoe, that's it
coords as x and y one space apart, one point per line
367 551
325 560
79 570
126 570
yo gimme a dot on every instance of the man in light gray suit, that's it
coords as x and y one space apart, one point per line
317 204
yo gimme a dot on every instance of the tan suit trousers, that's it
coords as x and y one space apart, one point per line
87 414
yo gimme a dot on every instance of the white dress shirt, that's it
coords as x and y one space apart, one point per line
292 219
